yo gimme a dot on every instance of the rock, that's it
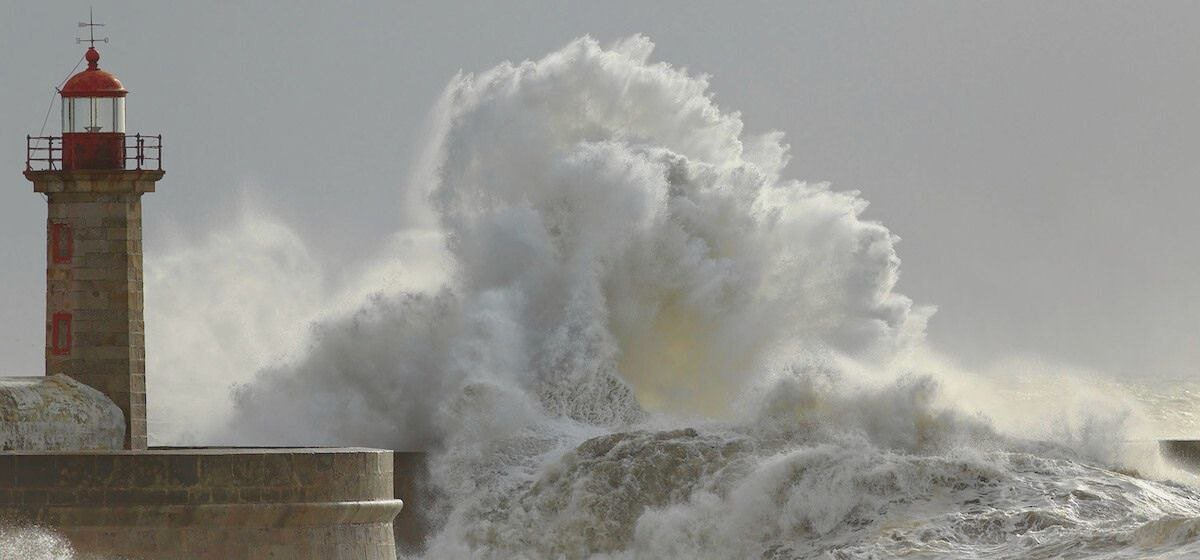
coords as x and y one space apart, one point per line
57 413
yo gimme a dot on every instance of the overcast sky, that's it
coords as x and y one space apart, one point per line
1038 159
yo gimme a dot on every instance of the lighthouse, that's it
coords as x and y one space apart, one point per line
73 453
93 176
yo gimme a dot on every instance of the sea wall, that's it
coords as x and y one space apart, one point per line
410 477
209 503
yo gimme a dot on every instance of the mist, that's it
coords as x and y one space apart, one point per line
602 221
604 273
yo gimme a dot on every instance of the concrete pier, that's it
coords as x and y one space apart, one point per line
411 484
167 503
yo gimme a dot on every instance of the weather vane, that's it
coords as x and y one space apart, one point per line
91 25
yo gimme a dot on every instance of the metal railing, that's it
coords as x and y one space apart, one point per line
143 146
139 151
45 156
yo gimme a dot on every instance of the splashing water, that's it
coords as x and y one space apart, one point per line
641 341
34 543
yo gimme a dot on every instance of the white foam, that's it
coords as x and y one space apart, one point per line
639 339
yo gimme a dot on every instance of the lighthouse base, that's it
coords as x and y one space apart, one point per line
208 503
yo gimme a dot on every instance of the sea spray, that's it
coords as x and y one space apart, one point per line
610 229
650 343
31 542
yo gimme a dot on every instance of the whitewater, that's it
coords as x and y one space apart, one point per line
622 331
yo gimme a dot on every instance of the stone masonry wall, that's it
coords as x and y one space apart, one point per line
318 503
411 482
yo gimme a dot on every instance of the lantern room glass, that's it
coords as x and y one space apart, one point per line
93 114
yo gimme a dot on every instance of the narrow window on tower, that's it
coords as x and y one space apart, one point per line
62 246
60 334
93 112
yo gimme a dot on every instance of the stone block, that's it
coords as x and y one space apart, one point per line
137 384
93 246
102 315
56 413
99 353
85 274
117 233
53 187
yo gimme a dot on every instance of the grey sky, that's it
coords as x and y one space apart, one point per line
1037 159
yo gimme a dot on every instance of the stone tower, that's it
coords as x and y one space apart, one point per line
93 177
61 462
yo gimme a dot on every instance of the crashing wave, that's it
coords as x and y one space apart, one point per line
650 344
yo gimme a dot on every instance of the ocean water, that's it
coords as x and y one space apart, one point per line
663 348
817 475
1171 405
632 335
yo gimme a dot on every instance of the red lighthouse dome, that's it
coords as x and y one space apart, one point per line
93 118
93 82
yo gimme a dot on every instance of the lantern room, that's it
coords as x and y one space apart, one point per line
93 118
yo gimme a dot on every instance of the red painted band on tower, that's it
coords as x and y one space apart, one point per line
60 334
62 243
